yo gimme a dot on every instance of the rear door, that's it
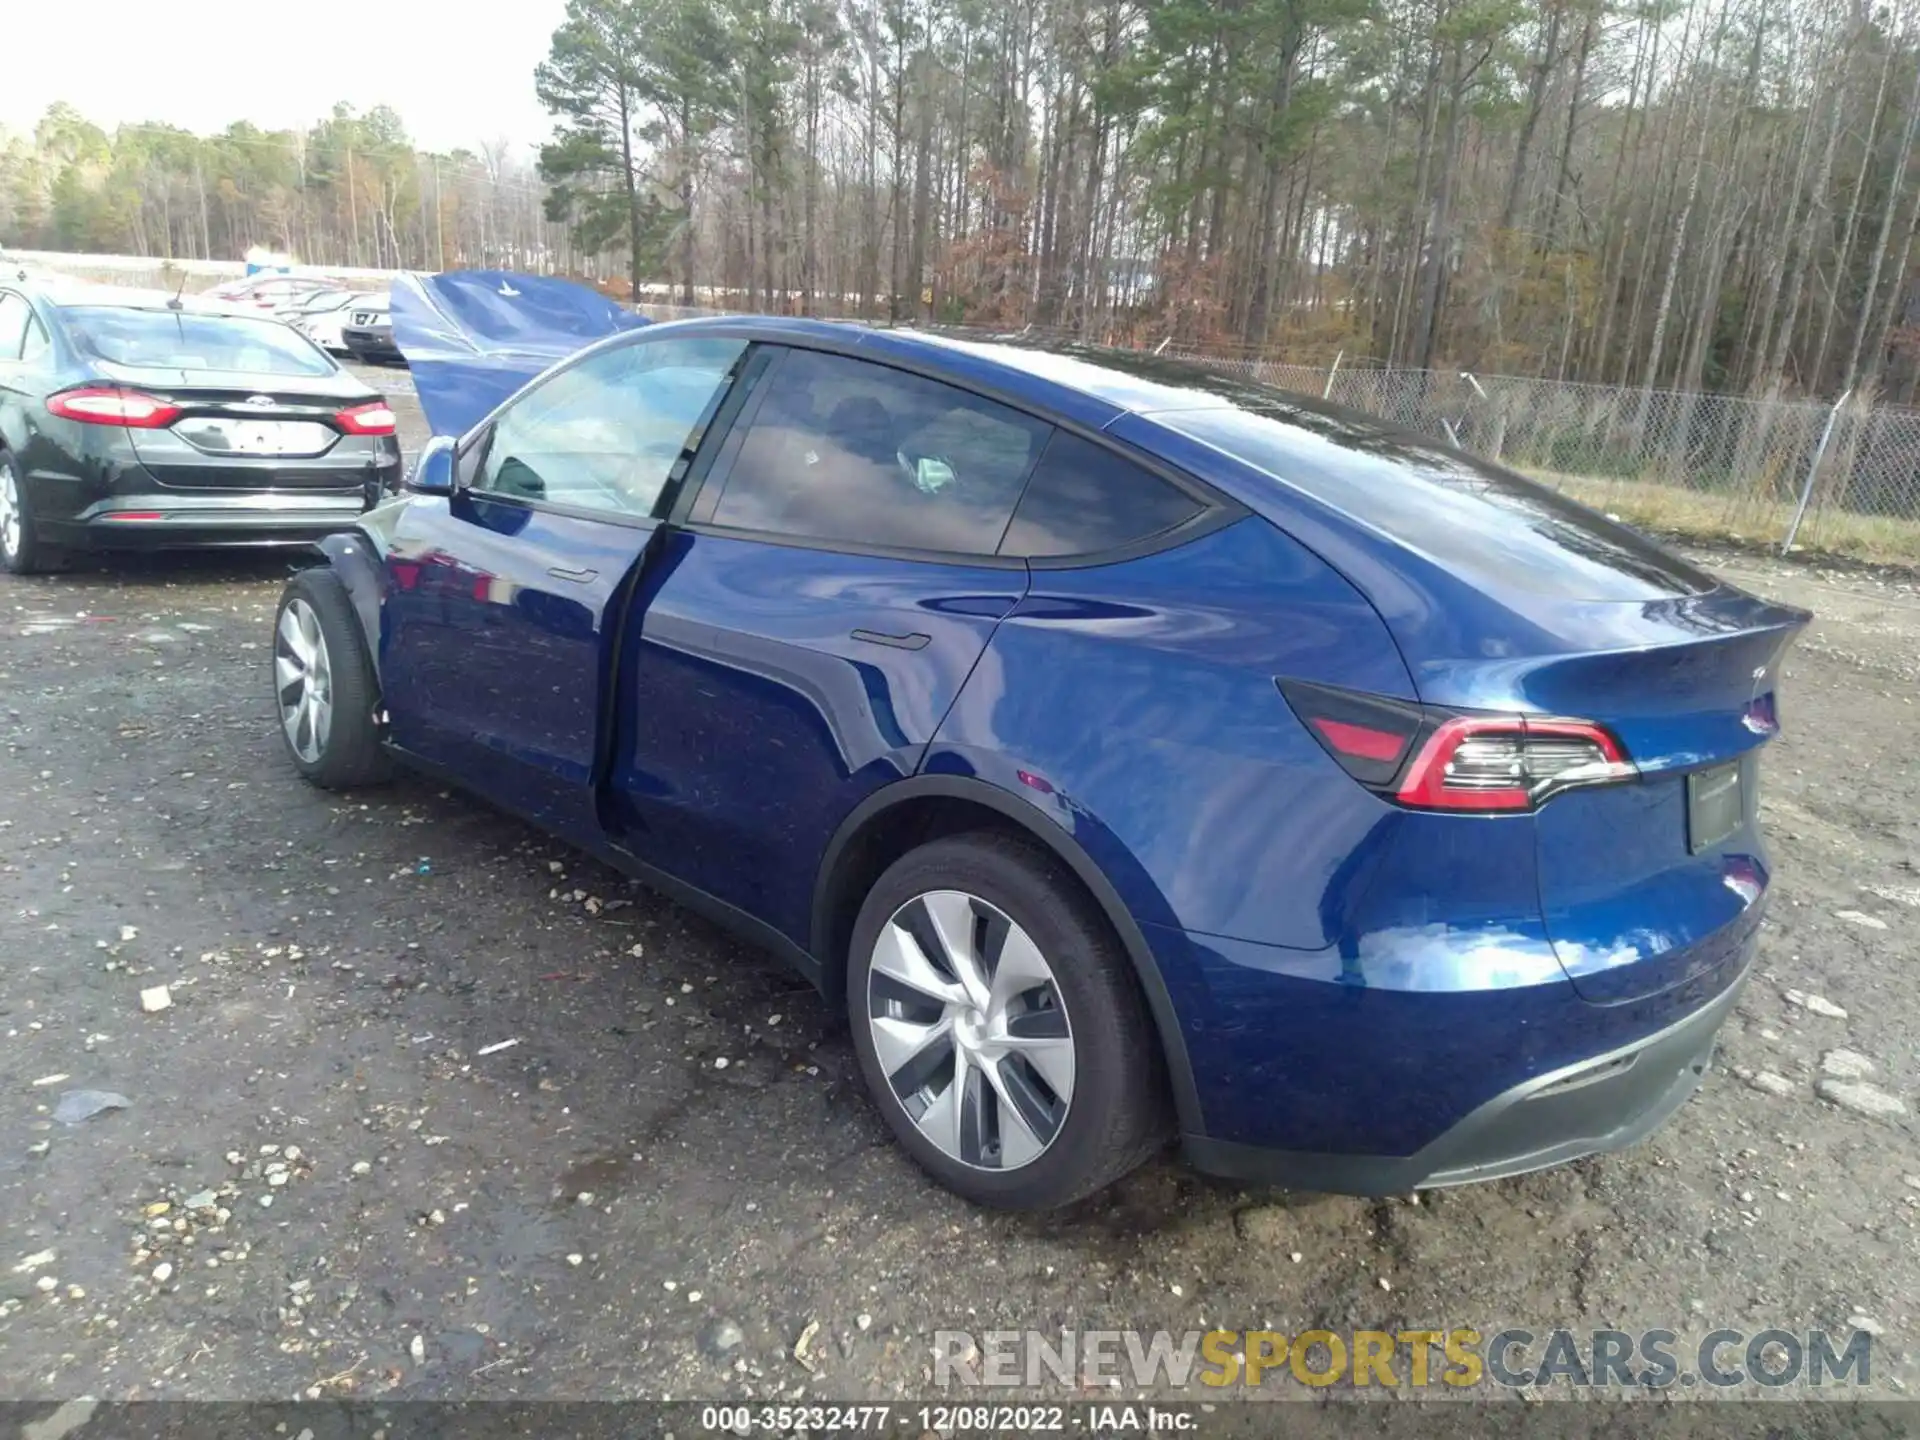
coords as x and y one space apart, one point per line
504 599
806 630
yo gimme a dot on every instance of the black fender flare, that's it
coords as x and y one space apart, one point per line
1166 1021
355 558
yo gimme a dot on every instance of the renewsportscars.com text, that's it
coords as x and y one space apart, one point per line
1460 1358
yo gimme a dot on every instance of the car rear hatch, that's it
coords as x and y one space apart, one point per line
256 432
473 338
1651 880
1507 599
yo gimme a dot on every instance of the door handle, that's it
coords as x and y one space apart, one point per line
913 641
578 577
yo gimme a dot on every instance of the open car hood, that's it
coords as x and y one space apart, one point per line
474 337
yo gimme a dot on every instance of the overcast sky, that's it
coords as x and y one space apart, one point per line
460 72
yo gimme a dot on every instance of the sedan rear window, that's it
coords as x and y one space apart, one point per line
184 340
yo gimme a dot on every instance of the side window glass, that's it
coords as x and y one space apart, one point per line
605 433
1085 499
14 314
851 451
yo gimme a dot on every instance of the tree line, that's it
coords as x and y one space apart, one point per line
1647 193
351 190
1689 194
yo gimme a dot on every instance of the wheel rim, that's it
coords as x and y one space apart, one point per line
9 513
971 1031
303 679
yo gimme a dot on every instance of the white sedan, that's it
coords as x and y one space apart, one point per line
321 316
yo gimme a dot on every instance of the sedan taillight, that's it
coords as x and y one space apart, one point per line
376 418
111 405
1428 759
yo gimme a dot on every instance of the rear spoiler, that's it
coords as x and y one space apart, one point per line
473 337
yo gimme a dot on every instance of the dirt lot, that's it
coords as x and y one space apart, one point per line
600 1209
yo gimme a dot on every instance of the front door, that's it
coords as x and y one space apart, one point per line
505 599
801 636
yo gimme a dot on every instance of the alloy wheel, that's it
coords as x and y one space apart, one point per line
968 1023
303 679
9 513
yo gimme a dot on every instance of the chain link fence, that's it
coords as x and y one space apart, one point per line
1716 466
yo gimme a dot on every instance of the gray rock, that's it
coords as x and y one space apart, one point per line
720 1337
1768 1083
1265 1225
1814 1004
78 1106
1861 1098
1866 1323
1846 1065
1855 917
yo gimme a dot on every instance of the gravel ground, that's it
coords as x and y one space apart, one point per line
438 1110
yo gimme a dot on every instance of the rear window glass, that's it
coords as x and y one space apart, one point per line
184 340
1473 518
1083 500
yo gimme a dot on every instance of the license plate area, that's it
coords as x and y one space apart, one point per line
231 436
1716 805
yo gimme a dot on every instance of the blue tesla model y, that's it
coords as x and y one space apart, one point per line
1133 752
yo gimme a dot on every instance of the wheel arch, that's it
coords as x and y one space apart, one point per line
909 812
355 558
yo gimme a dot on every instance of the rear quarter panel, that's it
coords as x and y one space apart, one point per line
1135 705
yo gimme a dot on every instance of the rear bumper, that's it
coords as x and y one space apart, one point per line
371 344
183 522
1604 1103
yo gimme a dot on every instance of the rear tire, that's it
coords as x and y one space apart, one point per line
323 685
999 1025
21 552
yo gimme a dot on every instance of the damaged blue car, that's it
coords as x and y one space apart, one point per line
1134 753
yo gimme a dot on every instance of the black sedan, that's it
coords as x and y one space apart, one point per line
368 331
139 420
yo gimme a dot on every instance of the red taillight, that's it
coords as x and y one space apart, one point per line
376 418
111 405
1361 742
1368 734
133 515
1474 762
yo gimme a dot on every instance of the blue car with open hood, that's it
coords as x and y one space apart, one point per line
1134 753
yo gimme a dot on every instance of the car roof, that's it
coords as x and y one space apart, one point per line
64 294
1090 384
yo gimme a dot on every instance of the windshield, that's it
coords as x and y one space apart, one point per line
183 340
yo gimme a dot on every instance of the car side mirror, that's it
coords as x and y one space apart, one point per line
433 472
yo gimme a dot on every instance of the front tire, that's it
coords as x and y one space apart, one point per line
323 685
999 1026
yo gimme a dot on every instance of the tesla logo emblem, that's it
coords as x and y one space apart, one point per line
260 402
